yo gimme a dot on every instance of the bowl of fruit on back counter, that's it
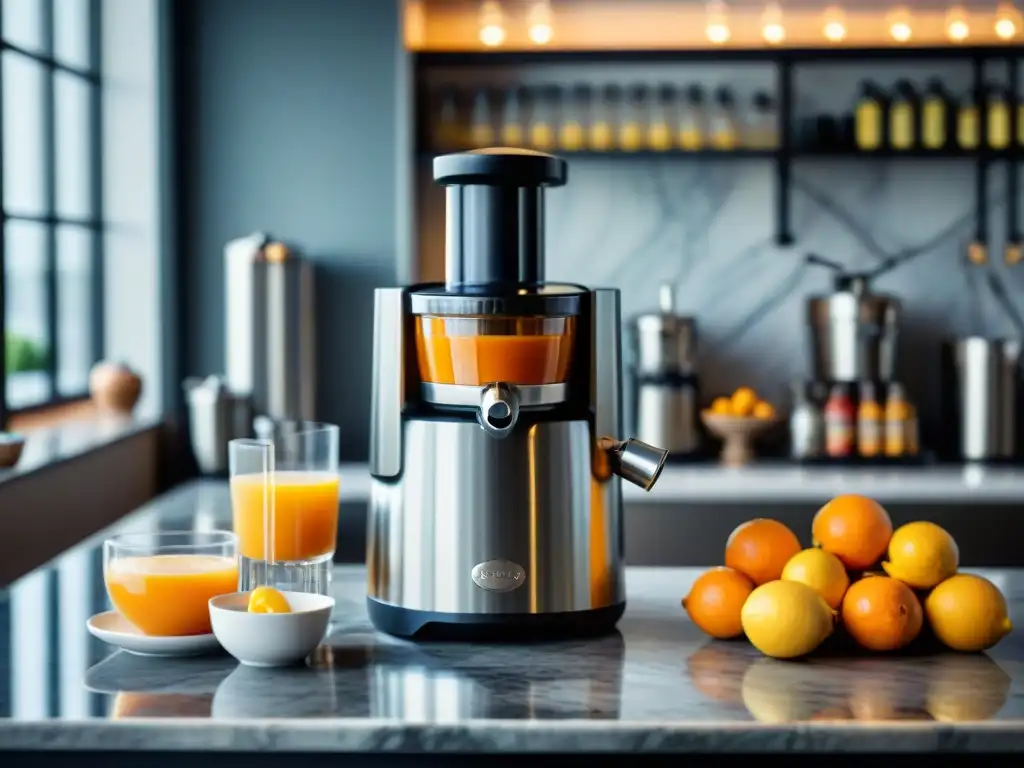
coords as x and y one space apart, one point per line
738 420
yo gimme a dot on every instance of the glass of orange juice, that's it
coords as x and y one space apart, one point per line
162 582
284 503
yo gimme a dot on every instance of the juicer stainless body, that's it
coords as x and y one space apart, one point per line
463 524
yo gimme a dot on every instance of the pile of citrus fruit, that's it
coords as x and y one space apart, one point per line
788 600
743 402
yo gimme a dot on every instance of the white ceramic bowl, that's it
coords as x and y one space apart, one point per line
270 639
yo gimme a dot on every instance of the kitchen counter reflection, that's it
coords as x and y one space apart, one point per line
657 685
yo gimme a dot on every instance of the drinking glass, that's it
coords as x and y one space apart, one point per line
162 582
284 503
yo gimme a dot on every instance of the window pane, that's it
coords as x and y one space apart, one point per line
25 342
71 32
74 309
23 23
23 151
73 139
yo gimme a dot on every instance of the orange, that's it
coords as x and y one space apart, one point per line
882 614
854 528
760 549
715 602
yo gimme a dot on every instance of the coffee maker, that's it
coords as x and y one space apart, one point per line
496 502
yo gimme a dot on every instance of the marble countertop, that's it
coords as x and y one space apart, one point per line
784 482
657 685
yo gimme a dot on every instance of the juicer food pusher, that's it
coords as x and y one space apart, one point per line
496 500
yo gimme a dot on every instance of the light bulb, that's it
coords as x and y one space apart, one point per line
492 27
835 24
1008 21
957 28
899 25
771 24
540 30
717 29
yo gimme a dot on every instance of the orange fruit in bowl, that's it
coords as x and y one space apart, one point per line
716 600
743 401
722 406
760 549
763 411
854 528
882 614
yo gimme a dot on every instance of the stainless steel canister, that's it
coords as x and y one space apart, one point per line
981 381
665 342
853 335
216 417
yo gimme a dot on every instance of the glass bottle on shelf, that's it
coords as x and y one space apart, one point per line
542 119
934 116
603 126
998 108
481 123
723 121
692 119
902 117
868 117
447 133
575 116
762 130
634 119
1020 119
659 125
968 122
512 119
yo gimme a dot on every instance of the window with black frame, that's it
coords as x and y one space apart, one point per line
50 195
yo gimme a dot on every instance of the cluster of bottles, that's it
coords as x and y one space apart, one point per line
853 422
606 119
906 118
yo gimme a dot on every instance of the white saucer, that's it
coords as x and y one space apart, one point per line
111 627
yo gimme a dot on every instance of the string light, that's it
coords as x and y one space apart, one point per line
717 28
771 24
540 30
1008 21
957 28
898 21
835 24
492 25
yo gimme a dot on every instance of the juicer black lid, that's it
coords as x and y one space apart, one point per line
540 299
501 166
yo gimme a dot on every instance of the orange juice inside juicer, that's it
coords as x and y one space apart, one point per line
496 477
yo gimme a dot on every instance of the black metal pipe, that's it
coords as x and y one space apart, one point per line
1013 233
783 163
981 174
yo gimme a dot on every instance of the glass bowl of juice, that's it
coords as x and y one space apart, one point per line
162 582
524 351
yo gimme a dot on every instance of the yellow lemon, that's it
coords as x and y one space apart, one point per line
763 411
743 401
722 406
268 600
922 555
821 571
966 688
967 613
786 619
775 692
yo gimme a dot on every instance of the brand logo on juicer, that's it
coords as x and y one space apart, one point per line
499 575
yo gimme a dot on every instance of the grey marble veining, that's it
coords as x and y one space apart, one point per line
658 685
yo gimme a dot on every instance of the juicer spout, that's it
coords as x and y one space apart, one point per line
634 460
498 411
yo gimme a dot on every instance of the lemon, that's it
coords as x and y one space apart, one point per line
268 600
786 619
922 555
967 613
821 571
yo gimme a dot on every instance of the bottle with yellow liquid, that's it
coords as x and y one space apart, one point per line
633 122
604 126
935 116
661 120
762 131
869 118
724 134
481 122
997 105
448 132
1020 121
692 120
870 422
903 117
968 122
575 115
542 118
897 413
512 119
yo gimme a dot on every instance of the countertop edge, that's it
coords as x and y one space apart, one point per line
505 736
